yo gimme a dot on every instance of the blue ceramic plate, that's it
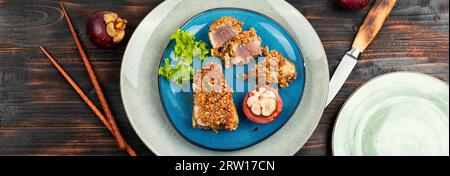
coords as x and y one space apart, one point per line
178 101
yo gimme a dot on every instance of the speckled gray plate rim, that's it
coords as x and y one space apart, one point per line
139 88
354 135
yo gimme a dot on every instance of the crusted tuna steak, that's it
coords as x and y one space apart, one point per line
275 69
223 30
242 49
213 100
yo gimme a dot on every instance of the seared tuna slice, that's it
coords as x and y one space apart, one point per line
274 69
213 100
242 49
223 30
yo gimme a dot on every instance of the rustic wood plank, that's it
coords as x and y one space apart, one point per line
63 141
30 24
35 99
41 115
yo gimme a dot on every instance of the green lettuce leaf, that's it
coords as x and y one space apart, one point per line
185 49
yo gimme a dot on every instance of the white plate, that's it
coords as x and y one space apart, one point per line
401 113
139 77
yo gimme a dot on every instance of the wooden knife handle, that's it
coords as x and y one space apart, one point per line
373 23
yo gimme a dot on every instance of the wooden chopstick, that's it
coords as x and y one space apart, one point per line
91 105
93 78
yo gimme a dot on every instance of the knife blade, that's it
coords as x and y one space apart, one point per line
367 32
343 70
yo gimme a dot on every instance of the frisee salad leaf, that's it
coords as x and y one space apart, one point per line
185 49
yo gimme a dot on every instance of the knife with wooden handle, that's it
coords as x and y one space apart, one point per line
367 32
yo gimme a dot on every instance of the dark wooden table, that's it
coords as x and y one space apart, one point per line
40 114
